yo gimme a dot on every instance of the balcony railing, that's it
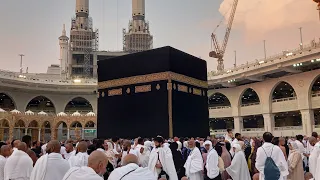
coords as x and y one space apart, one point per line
313 45
219 107
219 130
34 79
315 94
288 128
68 113
284 99
253 129
250 104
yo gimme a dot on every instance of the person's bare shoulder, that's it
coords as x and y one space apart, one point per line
30 152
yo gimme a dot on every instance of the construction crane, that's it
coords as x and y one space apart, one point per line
318 1
218 51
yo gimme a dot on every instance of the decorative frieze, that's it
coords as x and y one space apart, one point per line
144 88
115 92
182 88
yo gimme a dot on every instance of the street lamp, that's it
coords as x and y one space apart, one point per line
21 55
301 41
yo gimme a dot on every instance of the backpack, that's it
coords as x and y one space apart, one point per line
271 170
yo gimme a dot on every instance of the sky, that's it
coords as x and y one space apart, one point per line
32 27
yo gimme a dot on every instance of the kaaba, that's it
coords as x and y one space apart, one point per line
156 92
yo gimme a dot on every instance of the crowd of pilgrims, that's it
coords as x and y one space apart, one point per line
228 157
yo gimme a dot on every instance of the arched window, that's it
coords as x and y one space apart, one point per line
219 100
290 118
249 97
283 90
253 121
6 103
315 89
41 103
221 123
61 130
79 104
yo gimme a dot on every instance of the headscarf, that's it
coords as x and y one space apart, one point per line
148 144
226 157
111 154
294 145
208 143
179 145
237 147
294 151
185 144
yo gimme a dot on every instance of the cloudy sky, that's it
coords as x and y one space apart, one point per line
32 27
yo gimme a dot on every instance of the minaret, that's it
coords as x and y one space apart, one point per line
63 42
82 15
83 42
138 37
138 9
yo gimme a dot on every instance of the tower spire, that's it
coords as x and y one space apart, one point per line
64 33
138 37
138 8
82 7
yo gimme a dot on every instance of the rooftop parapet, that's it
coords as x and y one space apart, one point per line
10 75
214 75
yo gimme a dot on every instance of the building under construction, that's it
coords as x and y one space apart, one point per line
138 37
83 42
79 56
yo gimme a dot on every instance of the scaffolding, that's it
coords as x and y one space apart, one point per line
84 40
136 39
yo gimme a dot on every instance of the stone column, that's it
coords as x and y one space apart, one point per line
238 124
11 132
68 134
53 134
268 120
26 131
2 133
39 134
43 135
307 116
82 135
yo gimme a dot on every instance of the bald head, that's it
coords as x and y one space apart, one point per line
69 147
82 147
22 146
98 161
53 147
312 140
130 158
5 150
16 143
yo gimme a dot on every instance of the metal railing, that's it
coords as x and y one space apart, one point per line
307 47
315 94
284 99
288 128
252 129
250 104
218 130
83 113
34 79
219 107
